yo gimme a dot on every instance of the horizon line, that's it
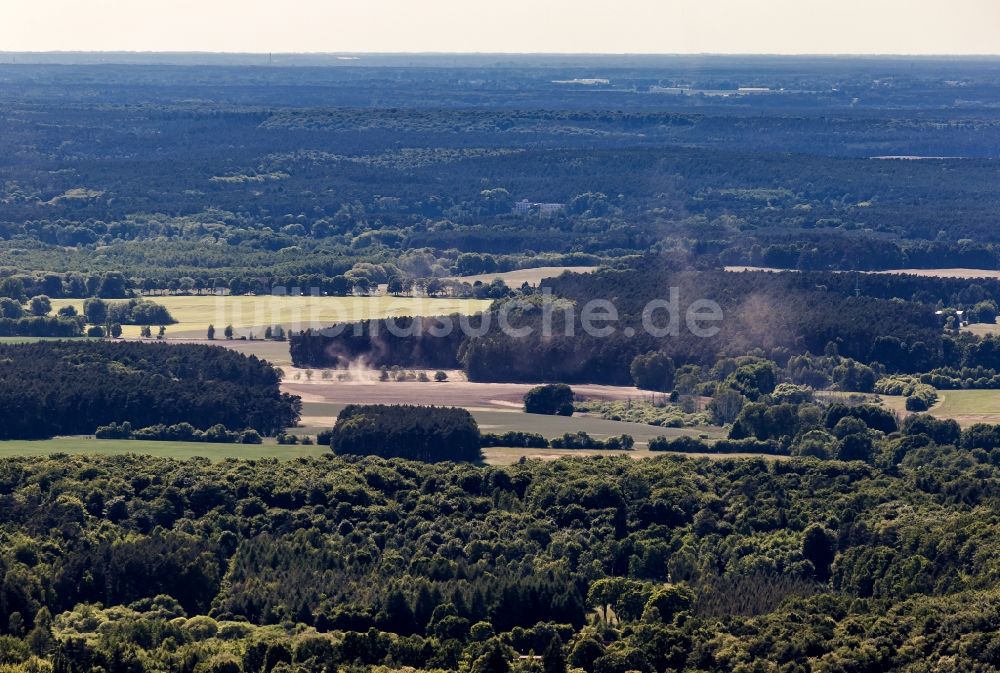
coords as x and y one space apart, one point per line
202 52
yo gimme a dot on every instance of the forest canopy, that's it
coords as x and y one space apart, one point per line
72 388
650 565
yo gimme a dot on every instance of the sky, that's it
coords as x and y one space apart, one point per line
509 26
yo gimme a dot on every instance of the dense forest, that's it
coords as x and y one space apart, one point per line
72 388
604 565
260 176
785 315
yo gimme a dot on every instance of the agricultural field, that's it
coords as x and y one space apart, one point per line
317 416
31 340
454 392
179 450
968 406
220 452
927 273
495 406
965 406
515 279
252 314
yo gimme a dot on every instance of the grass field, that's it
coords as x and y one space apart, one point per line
530 276
321 415
968 406
31 340
181 450
253 314
982 328
965 406
217 452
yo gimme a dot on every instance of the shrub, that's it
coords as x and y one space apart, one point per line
921 398
181 432
581 440
515 439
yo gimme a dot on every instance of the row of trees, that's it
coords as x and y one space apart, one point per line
181 432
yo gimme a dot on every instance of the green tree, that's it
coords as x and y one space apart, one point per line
10 308
113 286
668 600
553 658
653 371
585 652
726 405
96 311
12 288
754 380
495 660
40 305
550 399
818 549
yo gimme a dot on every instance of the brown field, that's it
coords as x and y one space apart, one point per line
934 273
946 273
529 276
495 406
504 396
982 328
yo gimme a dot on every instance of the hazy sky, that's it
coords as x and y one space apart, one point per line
618 26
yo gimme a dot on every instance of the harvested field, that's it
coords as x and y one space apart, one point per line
931 273
530 276
450 393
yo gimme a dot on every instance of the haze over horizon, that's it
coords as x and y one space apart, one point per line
872 27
